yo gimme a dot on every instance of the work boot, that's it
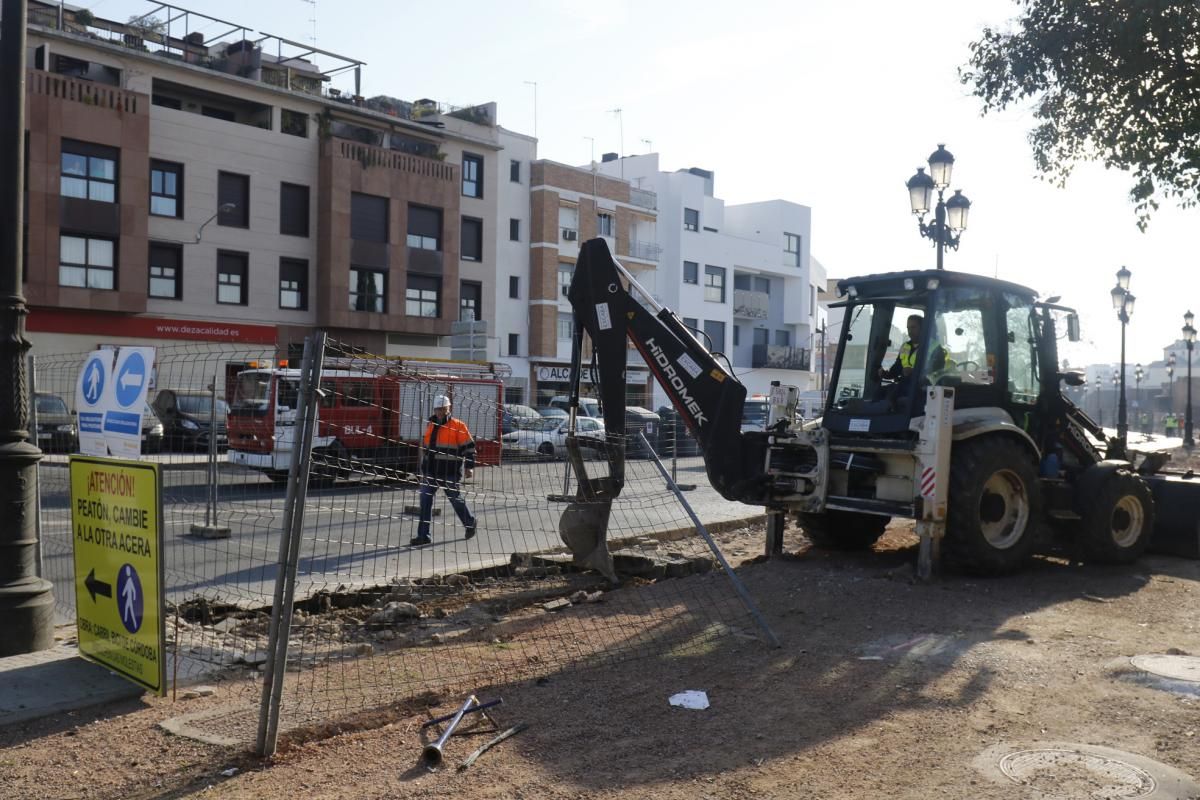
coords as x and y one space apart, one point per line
417 541
470 531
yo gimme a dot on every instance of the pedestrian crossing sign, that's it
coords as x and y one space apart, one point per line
116 511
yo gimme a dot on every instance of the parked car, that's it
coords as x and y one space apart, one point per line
517 416
186 415
551 411
56 428
549 437
588 406
640 420
152 431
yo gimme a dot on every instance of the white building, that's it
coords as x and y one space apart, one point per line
741 275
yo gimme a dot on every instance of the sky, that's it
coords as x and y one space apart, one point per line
832 104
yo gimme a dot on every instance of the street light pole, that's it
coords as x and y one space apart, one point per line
1137 397
1123 303
1189 336
949 216
26 600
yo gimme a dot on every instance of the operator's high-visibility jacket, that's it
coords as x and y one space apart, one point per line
909 356
448 447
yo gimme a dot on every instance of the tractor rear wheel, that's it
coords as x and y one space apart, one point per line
1118 520
993 507
843 530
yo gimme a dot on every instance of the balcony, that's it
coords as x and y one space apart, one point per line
750 305
88 93
371 156
643 199
769 356
645 251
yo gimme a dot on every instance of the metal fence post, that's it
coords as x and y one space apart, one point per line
210 529
37 472
289 543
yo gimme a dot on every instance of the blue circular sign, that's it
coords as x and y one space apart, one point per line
130 602
93 380
130 380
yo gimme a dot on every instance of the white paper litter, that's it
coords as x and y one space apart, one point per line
229 773
692 698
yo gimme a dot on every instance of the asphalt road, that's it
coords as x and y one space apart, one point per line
357 533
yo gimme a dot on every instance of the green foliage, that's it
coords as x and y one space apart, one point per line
1113 81
84 17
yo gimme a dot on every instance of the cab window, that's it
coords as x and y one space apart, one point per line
1023 382
958 352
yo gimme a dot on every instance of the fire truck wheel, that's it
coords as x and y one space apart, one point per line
843 530
1118 521
994 508
278 476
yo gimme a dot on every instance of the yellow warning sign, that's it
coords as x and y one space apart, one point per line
115 514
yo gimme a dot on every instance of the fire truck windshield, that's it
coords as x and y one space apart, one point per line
253 390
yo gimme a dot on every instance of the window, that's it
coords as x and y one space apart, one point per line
1024 384
691 323
231 277
960 342
691 272
762 285
368 290
294 123
423 297
791 250
514 286
812 301
472 169
233 189
565 273
604 224
714 284
514 171
737 335
368 217
472 239
715 330
761 336
293 283
514 230
86 262
424 228
166 189
741 282
691 219
783 338
293 209
357 393
514 344
470 301
89 172
566 325
166 261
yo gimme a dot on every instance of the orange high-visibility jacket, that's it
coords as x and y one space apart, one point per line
448 445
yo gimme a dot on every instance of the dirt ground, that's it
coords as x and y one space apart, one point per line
883 687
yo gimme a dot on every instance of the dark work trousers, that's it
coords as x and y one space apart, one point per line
448 484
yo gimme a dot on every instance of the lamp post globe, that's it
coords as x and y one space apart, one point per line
950 216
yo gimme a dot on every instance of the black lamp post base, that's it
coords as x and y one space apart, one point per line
26 617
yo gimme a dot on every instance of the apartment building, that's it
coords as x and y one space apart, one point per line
570 205
221 192
741 276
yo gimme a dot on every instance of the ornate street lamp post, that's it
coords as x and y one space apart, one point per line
950 216
1171 383
1189 336
1123 303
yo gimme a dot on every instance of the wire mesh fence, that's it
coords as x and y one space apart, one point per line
381 614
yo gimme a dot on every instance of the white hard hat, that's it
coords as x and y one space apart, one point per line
441 401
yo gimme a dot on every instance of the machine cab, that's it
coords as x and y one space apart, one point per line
903 332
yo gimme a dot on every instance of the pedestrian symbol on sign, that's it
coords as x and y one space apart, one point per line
129 593
93 382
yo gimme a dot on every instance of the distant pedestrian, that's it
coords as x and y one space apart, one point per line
448 452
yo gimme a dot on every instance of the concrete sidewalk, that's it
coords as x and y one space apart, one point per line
51 681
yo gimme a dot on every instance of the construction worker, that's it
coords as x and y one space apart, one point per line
448 451
909 356
1170 424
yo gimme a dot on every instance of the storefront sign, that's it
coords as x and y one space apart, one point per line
139 327
562 374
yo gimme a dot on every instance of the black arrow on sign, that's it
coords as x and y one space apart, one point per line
96 587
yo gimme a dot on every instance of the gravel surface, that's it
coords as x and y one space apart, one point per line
883 687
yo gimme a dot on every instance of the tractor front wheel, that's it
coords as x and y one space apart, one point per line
1117 520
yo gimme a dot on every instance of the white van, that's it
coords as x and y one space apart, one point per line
588 406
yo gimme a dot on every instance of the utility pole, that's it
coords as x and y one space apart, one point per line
26 601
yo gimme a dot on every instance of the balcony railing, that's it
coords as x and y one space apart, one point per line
751 305
769 356
370 156
85 92
646 251
643 199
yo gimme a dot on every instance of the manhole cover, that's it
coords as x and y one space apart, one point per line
1179 668
1072 774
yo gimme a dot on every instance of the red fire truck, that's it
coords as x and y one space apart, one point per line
368 416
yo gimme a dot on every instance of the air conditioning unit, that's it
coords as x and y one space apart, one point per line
570 234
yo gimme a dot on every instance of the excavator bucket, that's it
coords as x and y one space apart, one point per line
583 526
